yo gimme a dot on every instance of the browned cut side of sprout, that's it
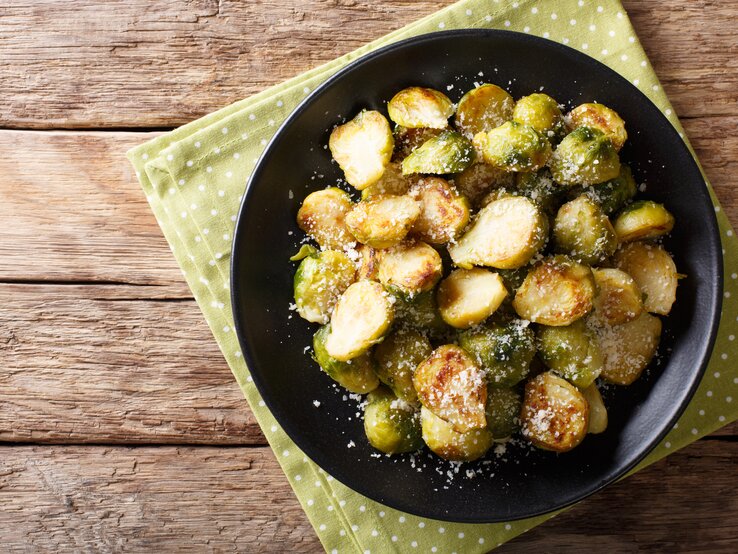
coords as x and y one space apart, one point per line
628 348
482 109
412 267
323 217
653 269
598 116
417 107
618 300
450 444
443 212
382 221
469 296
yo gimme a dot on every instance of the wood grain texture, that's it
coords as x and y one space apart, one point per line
135 63
189 499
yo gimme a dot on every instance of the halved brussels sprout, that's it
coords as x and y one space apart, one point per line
443 213
382 221
504 351
627 349
392 182
541 112
449 152
513 147
503 412
618 299
360 319
555 414
357 376
653 269
362 148
615 193
368 262
599 117
540 187
469 296
584 232
391 425
597 410
451 385
506 234
408 140
319 281
397 356
322 216
416 107
643 220
585 156
571 351
444 441
479 178
556 292
412 267
482 109
420 312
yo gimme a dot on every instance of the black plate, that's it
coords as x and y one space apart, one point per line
522 483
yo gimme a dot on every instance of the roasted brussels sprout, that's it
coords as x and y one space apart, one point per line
392 182
618 299
585 156
444 441
319 281
513 278
443 212
643 220
322 216
541 112
482 109
627 349
411 267
513 147
362 316
555 415
416 107
449 152
358 376
503 412
391 425
362 148
382 221
451 385
396 358
506 234
584 232
556 292
571 351
599 117
653 269
597 410
469 296
408 140
540 187
368 262
420 312
503 350
612 195
479 178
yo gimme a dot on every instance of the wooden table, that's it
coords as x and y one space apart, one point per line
122 427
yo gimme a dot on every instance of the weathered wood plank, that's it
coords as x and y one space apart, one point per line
134 63
189 499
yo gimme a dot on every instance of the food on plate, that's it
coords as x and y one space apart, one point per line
585 157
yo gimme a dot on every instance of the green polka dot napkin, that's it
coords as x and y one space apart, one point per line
194 177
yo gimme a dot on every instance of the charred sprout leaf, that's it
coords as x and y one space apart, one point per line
506 234
504 351
513 147
392 182
443 212
469 296
628 348
397 356
585 156
643 220
319 281
541 112
599 117
479 178
363 148
358 376
556 292
322 216
482 109
653 269
503 411
571 351
555 414
391 425
540 187
451 385
618 299
382 221
362 316
444 441
408 140
612 195
597 410
412 267
305 251
417 107
449 152
584 232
